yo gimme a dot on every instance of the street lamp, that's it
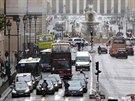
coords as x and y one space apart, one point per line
30 19
24 22
35 18
17 24
9 29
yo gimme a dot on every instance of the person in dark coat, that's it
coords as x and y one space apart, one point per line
66 85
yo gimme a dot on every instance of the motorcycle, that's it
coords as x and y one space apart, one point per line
43 90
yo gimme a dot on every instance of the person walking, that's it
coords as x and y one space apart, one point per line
66 85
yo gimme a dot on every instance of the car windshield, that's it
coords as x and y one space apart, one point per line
20 85
55 76
82 59
81 76
74 83
26 78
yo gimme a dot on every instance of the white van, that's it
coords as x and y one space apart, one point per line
26 77
83 60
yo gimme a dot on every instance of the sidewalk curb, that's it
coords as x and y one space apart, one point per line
5 93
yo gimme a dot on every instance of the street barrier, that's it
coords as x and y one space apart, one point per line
7 84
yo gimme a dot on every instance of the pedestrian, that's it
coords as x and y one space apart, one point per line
8 73
79 46
3 74
82 45
66 85
81 72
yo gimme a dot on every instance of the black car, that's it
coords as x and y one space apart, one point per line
75 88
57 76
20 89
102 50
122 53
50 87
130 50
84 84
54 80
80 76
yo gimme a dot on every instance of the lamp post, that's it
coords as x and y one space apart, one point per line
17 24
35 18
30 19
9 29
24 22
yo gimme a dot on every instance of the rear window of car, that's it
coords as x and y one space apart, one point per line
77 39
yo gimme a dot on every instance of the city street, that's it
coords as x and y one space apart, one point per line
116 80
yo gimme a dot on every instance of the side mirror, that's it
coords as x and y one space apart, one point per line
90 61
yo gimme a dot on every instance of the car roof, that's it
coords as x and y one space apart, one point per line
22 74
30 60
82 53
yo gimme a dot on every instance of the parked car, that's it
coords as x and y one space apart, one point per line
20 89
122 53
75 88
57 76
50 87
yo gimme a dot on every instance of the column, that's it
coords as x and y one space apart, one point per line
50 6
78 7
126 5
98 6
119 6
84 5
57 6
105 6
44 13
71 6
64 6
112 6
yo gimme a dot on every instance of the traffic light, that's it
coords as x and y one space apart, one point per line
97 65
97 68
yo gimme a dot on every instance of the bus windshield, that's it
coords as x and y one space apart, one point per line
45 39
61 64
33 68
60 48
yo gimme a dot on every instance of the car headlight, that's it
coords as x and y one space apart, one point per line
81 89
60 82
13 91
27 90
29 83
56 85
